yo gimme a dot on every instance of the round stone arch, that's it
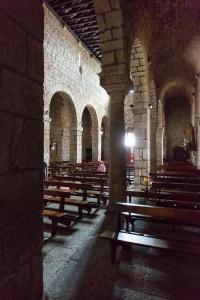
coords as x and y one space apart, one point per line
63 128
141 110
49 91
105 138
90 134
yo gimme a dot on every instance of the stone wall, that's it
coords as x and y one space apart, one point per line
21 136
60 129
71 69
63 122
177 117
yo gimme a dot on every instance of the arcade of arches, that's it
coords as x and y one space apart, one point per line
59 103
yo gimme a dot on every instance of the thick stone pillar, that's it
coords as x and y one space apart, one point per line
21 154
198 122
159 145
100 133
47 123
79 143
117 167
106 146
153 130
117 162
193 154
142 143
95 143
73 145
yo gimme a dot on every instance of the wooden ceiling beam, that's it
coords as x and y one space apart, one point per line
79 19
89 24
88 32
92 38
74 14
60 5
68 9
85 28
80 16
65 3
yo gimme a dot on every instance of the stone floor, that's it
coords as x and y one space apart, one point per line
77 266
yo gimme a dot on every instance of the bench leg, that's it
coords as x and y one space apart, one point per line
87 208
128 220
113 252
127 223
80 212
98 202
54 225
133 223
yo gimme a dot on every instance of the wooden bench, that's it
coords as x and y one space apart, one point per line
176 179
57 217
183 186
169 198
97 183
175 216
80 204
66 193
175 174
124 239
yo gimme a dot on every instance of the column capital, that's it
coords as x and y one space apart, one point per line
116 83
47 119
79 128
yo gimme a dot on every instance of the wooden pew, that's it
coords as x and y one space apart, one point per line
57 217
175 185
91 173
174 216
175 174
101 182
66 193
80 204
179 197
177 180
86 190
71 185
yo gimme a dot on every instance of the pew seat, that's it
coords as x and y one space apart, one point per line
81 204
57 217
160 214
124 239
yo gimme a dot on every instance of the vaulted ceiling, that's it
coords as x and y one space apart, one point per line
170 33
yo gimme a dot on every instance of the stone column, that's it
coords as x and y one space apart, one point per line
159 145
193 153
47 123
73 144
153 129
95 143
79 143
106 146
142 144
198 122
99 143
21 152
117 166
117 162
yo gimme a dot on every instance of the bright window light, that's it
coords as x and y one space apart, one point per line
129 139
